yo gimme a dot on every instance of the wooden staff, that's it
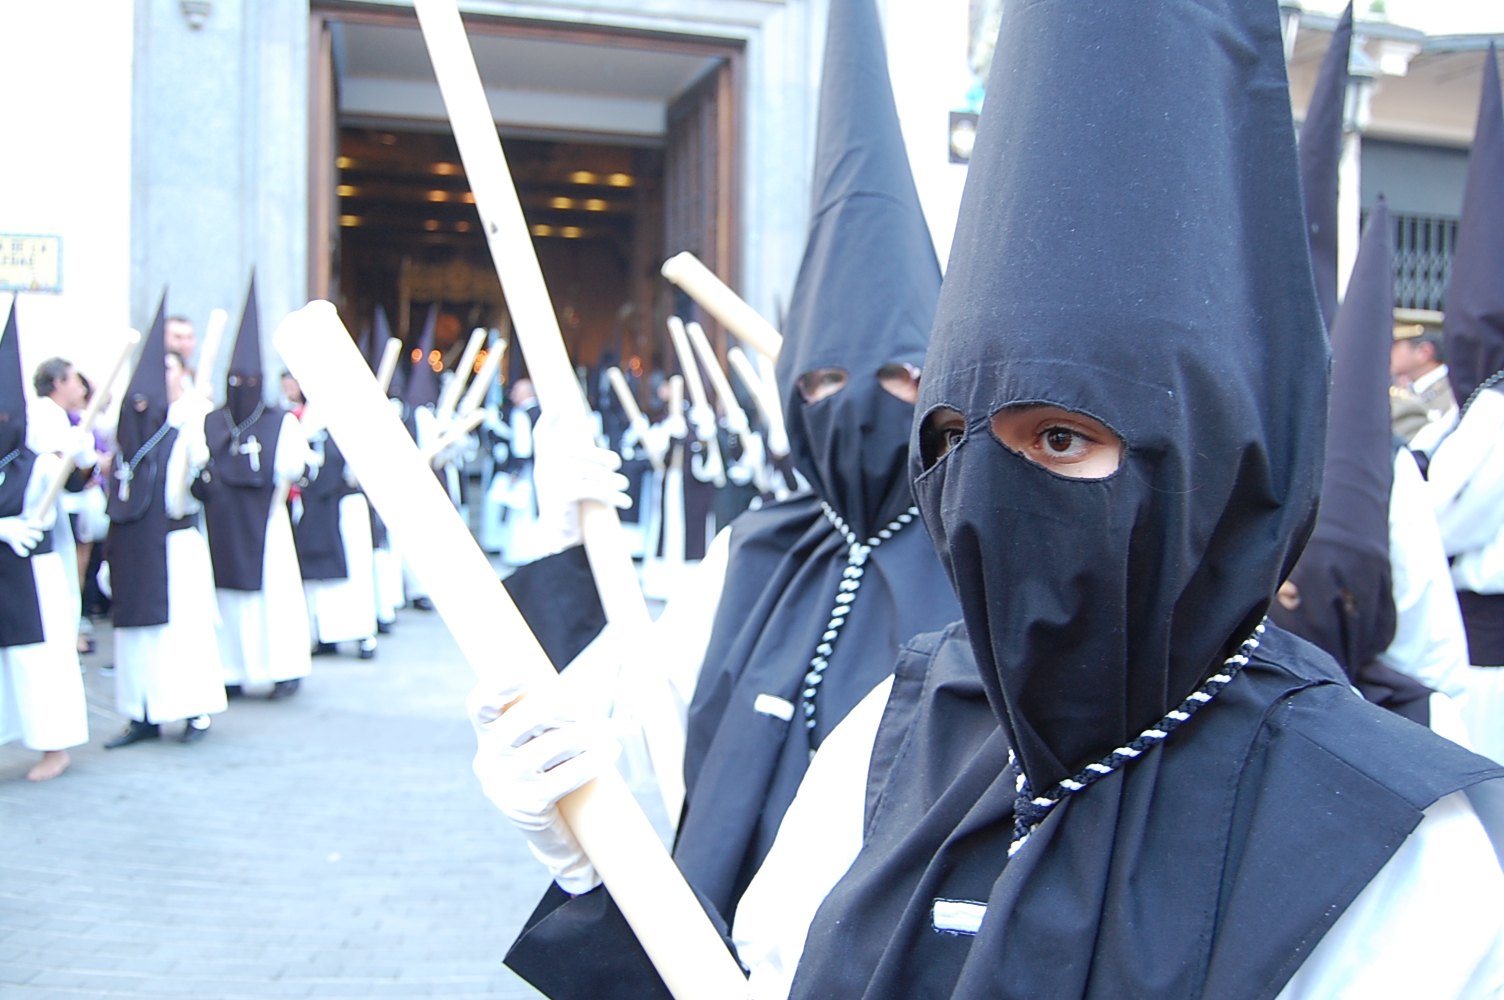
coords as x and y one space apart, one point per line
607 821
86 424
537 331
481 384
689 273
736 417
388 366
712 460
208 355
765 397
454 434
634 412
451 397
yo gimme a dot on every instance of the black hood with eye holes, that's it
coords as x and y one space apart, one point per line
244 383
867 286
1134 253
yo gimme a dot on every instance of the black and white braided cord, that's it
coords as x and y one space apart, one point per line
1487 383
9 459
1029 810
151 443
237 429
851 582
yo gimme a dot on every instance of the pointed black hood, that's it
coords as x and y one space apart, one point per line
867 287
1320 155
1134 253
12 388
1475 296
244 391
1344 579
143 411
422 387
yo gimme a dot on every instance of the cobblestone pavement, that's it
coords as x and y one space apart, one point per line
332 845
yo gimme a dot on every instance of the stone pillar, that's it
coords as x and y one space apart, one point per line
219 152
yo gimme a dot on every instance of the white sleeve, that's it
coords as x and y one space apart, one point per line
820 837
293 453
1467 477
44 469
48 428
682 632
1429 642
522 434
1428 925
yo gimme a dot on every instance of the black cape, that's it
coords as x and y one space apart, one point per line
321 549
20 611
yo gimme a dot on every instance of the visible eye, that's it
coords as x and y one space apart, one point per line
900 380
821 383
942 431
1072 444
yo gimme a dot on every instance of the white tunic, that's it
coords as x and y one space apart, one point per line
173 671
41 690
1427 925
1466 487
263 634
345 610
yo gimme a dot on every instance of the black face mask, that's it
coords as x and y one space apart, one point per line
853 448
243 395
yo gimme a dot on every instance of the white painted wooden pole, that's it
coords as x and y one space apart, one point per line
208 355
634 413
701 284
460 376
456 432
766 397
390 354
609 824
736 417
711 464
481 384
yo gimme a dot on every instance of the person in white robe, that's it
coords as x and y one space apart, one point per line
168 672
1466 485
263 635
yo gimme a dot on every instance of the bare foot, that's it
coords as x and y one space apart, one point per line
52 764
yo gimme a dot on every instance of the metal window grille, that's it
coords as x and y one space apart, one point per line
1423 250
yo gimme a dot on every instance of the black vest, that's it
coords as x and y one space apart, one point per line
237 489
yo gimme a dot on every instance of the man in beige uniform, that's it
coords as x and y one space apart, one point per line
1421 394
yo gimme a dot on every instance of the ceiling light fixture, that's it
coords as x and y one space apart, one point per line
542 230
346 191
349 220
438 196
582 177
343 162
571 232
561 203
620 180
595 205
446 169
431 225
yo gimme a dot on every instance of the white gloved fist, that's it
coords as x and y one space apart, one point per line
675 426
703 419
532 755
20 534
80 448
569 467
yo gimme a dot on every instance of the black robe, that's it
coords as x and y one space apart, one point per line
238 498
321 549
137 543
21 610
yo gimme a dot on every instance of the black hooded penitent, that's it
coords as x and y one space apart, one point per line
1475 295
238 483
20 613
422 381
1344 579
134 497
1320 156
864 299
1130 247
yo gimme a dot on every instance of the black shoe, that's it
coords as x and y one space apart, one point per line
284 689
384 628
234 691
195 729
325 649
422 604
368 649
135 733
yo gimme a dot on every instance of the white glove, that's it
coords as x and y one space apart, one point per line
703 419
568 467
103 579
20 534
656 441
80 448
530 757
675 426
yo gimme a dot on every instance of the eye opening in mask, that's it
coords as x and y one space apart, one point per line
1288 596
821 383
901 380
943 429
1066 442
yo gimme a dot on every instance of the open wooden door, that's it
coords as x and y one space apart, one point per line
699 184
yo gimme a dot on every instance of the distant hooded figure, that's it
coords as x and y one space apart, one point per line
386 563
167 663
1365 560
256 451
1467 468
1112 779
41 692
812 597
420 393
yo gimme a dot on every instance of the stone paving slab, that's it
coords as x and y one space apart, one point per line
332 845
